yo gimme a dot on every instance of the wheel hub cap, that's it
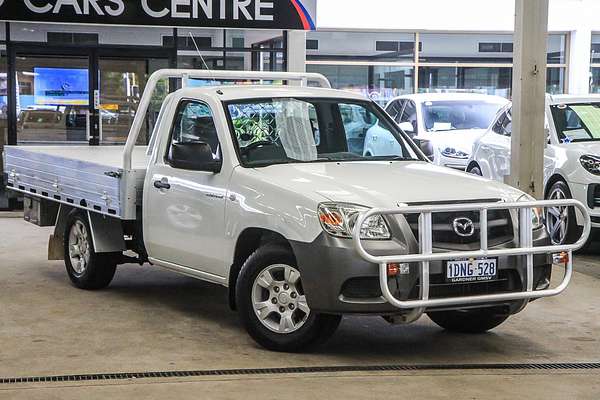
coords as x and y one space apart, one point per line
278 299
557 218
79 248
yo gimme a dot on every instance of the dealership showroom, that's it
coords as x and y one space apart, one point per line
290 199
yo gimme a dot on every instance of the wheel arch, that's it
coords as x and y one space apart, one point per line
472 164
249 240
552 180
106 232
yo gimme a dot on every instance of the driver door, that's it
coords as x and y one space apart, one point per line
184 209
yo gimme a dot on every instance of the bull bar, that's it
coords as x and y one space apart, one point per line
426 255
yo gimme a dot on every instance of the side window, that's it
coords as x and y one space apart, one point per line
194 124
498 125
356 123
410 115
507 125
395 109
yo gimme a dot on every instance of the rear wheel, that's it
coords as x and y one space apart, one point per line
469 321
272 304
86 268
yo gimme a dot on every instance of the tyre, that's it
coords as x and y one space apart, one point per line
86 268
475 170
272 304
561 222
469 321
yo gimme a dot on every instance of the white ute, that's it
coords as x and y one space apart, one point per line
444 124
258 189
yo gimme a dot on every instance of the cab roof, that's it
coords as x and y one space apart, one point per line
245 92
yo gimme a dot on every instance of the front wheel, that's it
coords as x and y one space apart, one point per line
469 321
86 268
561 222
272 304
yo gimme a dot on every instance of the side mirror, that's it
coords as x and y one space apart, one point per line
547 136
195 156
407 127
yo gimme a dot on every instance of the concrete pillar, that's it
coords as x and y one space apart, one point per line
296 51
579 61
529 88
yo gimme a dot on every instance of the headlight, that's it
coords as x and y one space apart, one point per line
537 216
339 220
453 153
591 164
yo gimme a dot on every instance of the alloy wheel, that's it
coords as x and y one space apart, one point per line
79 248
278 299
557 218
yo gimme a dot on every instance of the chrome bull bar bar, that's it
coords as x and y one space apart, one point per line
426 255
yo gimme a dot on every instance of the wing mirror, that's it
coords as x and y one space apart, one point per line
547 136
407 127
194 156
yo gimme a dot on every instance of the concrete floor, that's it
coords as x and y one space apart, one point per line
152 320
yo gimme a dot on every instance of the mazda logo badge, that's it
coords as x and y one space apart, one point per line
463 227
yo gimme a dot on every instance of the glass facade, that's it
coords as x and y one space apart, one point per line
221 49
59 69
52 99
3 118
384 65
595 67
380 83
123 81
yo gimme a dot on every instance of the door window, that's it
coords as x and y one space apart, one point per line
409 114
507 125
194 124
503 125
395 109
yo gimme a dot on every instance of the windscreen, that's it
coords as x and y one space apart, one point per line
577 122
300 130
441 116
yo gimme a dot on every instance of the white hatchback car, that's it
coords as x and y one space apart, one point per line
571 159
450 122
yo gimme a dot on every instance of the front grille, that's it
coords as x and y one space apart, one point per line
500 228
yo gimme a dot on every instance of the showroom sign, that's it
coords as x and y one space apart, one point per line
263 14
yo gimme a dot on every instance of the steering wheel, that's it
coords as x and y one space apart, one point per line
254 145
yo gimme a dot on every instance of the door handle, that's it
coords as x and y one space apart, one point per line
162 185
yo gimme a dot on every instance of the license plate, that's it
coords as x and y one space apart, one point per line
485 269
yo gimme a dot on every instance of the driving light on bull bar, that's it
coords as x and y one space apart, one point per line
394 269
339 220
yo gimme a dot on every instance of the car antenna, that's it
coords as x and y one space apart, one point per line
201 57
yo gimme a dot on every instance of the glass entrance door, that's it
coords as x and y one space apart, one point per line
53 99
121 84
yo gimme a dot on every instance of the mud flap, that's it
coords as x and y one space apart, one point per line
56 250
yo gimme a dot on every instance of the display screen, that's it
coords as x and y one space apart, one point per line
61 86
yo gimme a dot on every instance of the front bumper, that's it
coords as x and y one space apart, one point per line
336 280
588 194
